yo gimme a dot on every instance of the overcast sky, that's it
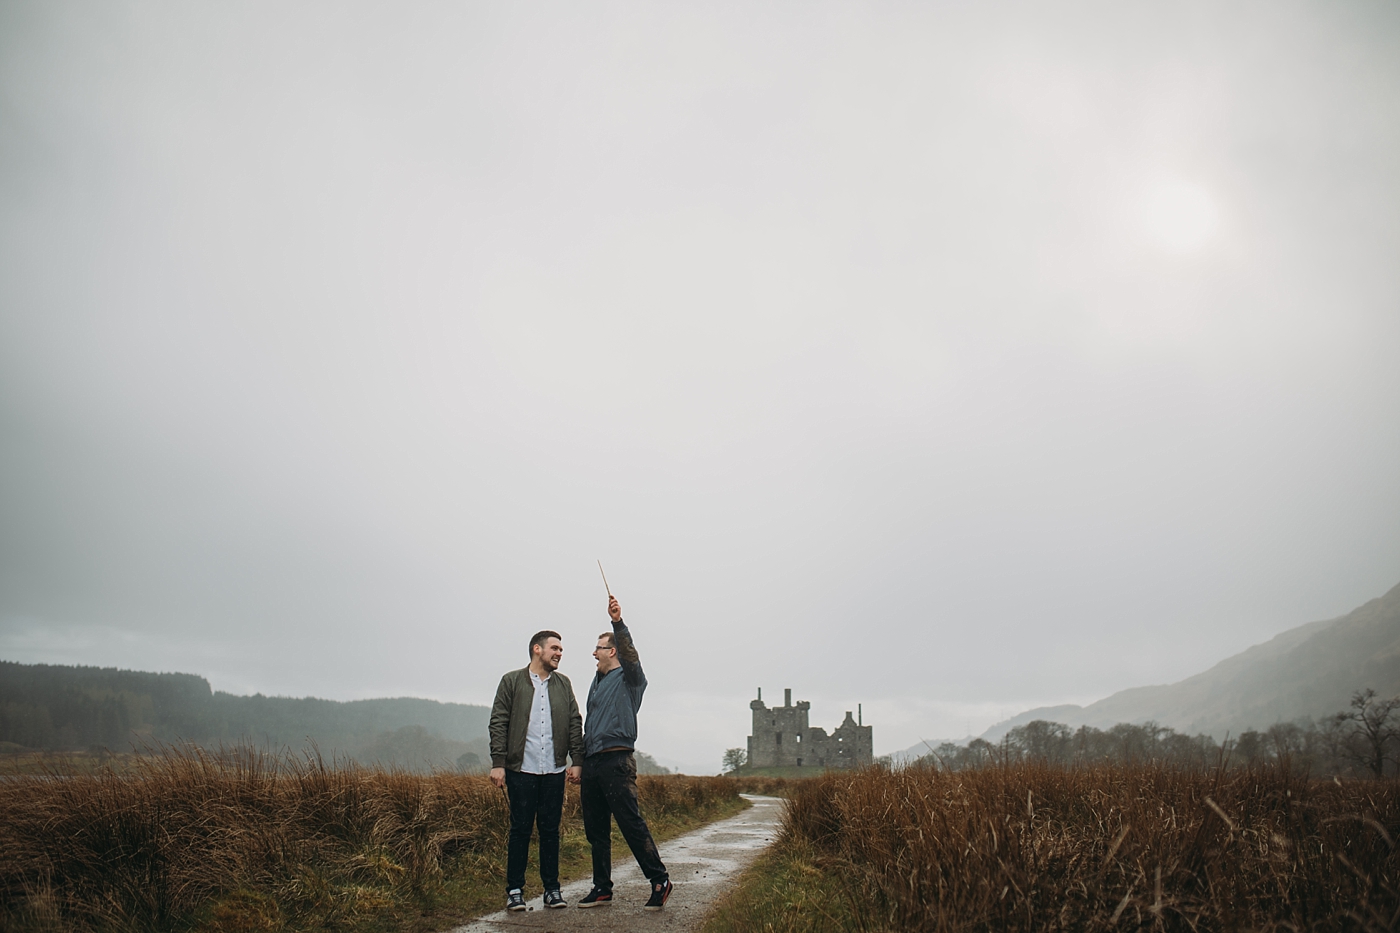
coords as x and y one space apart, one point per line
946 358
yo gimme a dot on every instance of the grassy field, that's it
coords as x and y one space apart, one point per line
1031 847
787 774
16 760
765 785
241 841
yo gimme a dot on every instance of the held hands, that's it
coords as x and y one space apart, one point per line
573 775
614 609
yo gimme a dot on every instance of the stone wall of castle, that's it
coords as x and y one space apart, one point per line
782 738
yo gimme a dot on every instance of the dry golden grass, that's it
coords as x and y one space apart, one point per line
242 841
1032 847
764 785
33 761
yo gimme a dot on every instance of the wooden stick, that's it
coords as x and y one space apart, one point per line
605 579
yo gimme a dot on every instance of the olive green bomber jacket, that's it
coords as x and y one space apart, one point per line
510 716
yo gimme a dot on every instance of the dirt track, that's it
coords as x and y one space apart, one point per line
702 866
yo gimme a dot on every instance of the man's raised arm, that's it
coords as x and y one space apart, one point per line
626 650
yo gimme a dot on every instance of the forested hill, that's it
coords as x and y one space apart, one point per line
61 707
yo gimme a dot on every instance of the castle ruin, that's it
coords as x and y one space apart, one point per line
782 739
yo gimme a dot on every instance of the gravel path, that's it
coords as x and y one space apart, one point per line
702 866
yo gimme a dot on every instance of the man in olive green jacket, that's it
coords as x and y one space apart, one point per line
535 724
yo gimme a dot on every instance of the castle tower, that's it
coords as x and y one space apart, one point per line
782 738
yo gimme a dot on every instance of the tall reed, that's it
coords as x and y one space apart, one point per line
291 836
1035 847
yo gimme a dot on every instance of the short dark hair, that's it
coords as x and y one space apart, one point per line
612 642
539 638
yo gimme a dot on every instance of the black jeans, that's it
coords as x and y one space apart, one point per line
610 791
534 798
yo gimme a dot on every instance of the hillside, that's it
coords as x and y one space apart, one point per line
60 707
1308 671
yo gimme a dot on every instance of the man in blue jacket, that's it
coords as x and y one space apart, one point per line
609 789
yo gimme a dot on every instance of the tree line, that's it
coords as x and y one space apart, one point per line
67 708
1363 740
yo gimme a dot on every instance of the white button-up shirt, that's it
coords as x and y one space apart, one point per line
539 737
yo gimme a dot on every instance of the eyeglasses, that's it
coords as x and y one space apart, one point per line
597 648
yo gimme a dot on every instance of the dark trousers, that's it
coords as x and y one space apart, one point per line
609 792
534 798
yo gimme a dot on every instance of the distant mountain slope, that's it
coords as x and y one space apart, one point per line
921 748
1311 670
64 707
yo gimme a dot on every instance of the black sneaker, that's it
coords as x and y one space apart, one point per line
552 898
596 898
515 900
659 893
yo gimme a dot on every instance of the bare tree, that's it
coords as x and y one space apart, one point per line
1041 740
735 758
1374 727
1250 748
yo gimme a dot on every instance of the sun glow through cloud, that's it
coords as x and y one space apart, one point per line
948 359
1179 215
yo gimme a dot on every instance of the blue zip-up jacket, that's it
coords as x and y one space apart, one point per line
614 698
